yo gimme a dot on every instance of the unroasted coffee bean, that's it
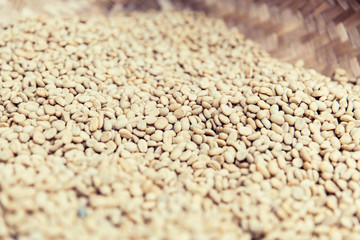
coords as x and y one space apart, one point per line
169 125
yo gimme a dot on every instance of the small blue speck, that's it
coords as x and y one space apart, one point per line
81 212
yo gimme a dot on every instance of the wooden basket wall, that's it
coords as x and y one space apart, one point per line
323 33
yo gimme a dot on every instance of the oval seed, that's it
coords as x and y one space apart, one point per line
245 131
277 118
161 123
38 138
19 118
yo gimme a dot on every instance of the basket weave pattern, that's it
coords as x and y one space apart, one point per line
323 33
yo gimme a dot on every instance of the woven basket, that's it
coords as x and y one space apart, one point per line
323 33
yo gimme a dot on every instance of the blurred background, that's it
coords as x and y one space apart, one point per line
325 34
